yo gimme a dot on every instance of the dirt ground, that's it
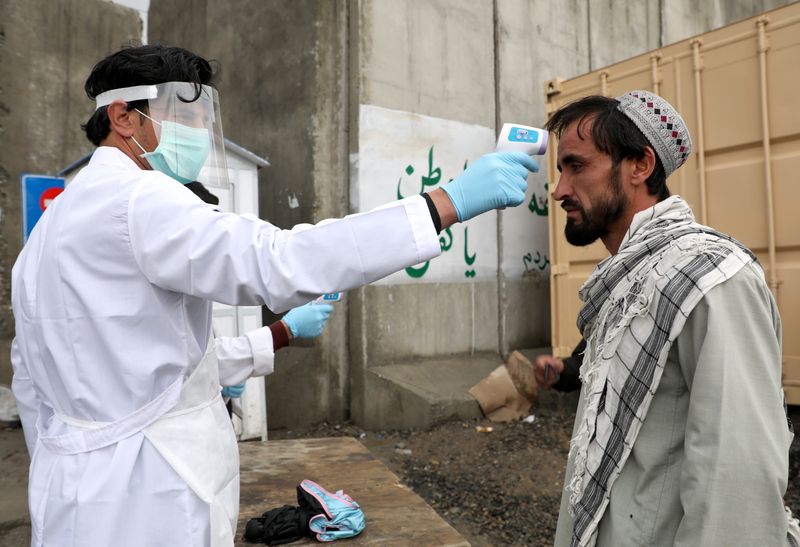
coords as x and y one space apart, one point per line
496 488
14 522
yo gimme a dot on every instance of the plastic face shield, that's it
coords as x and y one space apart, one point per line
186 108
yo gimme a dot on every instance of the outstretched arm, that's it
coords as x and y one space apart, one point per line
182 245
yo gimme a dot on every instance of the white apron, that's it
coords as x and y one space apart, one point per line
195 438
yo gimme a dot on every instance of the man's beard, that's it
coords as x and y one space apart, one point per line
594 224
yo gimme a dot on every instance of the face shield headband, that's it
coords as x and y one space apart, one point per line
188 127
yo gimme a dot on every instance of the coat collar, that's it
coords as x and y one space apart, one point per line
110 155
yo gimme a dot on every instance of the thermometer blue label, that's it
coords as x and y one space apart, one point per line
330 297
519 134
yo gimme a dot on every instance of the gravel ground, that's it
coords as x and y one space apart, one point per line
499 487
496 488
792 497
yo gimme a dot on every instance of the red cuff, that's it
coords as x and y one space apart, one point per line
280 338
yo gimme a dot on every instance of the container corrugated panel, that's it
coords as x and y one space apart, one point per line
738 89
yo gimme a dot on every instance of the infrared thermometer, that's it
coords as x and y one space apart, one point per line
329 298
516 137
522 138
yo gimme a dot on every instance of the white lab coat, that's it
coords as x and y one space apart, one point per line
112 301
241 357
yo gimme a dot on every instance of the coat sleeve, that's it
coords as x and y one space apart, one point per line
241 357
182 245
737 439
25 395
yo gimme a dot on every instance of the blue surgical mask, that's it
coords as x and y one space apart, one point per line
181 152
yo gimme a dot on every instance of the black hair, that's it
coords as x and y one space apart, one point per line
202 192
613 133
141 65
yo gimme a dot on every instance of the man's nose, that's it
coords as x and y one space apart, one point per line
563 188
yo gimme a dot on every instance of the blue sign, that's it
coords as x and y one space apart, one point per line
37 192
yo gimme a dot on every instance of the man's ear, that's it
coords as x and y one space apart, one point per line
643 167
121 120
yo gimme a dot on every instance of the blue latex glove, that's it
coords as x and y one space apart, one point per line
307 321
233 392
494 181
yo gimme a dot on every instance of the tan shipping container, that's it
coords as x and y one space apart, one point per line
738 89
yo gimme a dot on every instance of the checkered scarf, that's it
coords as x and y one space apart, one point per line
635 305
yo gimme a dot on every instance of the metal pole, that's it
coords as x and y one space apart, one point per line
654 75
697 67
604 83
763 47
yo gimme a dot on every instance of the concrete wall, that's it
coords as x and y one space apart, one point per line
282 76
294 76
434 59
47 48
680 20
535 40
297 77
619 29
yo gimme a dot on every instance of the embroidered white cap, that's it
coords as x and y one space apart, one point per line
661 125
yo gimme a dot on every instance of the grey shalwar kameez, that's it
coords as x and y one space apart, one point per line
709 466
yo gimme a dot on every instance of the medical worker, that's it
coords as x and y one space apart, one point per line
131 444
